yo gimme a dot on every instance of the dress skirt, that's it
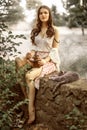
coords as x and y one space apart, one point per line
48 68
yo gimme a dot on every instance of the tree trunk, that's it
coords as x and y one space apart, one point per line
82 28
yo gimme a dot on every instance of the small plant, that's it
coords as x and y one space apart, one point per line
76 120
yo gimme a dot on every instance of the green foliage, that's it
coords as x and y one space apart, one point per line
33 4
76 13
8 77
76 120
8 42
58 19
78 16
11 11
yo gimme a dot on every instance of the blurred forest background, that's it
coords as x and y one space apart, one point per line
15 25
19 16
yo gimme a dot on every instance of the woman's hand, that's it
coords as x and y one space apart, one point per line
28 55
42 62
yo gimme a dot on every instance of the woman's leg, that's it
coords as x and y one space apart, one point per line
19 63
30 76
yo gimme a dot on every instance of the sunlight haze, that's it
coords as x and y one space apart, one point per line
49 3
57 3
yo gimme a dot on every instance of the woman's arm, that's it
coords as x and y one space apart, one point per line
47 59
56 38
44 61
54 55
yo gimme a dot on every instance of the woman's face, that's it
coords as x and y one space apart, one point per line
44 15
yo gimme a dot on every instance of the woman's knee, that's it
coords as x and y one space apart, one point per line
20 62
17 62
34 73
28 77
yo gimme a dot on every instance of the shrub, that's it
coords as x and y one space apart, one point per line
8 77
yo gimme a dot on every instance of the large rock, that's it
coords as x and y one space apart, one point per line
60 105
64 107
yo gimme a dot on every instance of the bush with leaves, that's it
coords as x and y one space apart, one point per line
8 77
11 11
76 120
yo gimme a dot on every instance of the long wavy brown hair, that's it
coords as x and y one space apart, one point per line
50 30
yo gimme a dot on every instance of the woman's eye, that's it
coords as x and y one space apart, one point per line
40 13
43 13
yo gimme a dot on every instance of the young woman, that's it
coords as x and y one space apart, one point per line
45 41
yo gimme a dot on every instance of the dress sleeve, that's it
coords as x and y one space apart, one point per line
54 55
